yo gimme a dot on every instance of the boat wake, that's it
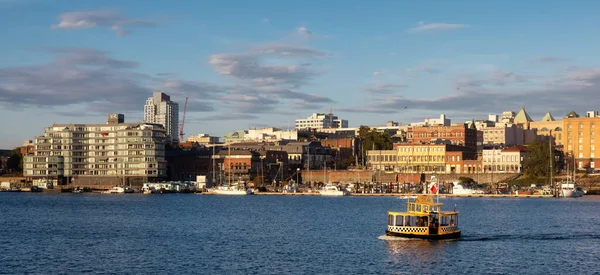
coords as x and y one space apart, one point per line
534 237
392 238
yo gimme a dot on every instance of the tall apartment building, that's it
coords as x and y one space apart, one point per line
160 109
580 139
321 121
98 155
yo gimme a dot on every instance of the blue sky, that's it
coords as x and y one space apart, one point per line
266 63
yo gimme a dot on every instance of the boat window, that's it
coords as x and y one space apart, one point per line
399 221
390 219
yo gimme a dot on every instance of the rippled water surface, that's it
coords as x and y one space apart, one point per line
207 234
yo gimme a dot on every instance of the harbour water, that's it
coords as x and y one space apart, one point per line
203 234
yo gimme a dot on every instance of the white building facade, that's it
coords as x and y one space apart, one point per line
160 109
321 121
442 120
270 134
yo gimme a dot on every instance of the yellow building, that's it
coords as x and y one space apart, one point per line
411 158
580 139
548 125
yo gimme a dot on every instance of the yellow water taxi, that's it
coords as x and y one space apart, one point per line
423 219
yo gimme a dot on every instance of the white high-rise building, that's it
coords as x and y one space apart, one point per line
321 121
161 110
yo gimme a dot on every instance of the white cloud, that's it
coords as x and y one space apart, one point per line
384 88
303 30
572 90
266 21
105 18
91 78
430 27
377 73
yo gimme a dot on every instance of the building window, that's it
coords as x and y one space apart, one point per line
580 126
592 147
580 156
592 155
580 140
592 164
569 126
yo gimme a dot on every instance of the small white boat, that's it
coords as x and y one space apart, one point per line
458 189
115 190
232 190
570 190
407 197
332 190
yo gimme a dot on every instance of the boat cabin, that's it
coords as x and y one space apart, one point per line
423 219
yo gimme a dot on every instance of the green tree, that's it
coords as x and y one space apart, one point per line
371 139
15 161
537 162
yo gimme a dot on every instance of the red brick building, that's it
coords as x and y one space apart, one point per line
456 134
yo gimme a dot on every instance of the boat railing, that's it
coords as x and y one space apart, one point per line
408 229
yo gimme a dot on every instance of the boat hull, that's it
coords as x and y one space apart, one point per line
571 193
333 194
453 235
232 192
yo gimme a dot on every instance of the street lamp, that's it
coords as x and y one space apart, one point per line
297 172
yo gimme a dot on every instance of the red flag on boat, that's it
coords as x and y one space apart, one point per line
434 188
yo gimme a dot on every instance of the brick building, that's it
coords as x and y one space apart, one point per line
456 134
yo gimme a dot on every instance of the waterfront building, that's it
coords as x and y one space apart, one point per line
424 158
580 140
300 154
186 164
321 121
159 109
457 134
203 139
507 160
98 155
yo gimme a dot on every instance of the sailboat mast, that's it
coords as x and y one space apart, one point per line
229 164
551 159
213 166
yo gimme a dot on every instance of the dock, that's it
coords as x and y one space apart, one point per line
404 195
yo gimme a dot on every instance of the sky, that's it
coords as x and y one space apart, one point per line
246 64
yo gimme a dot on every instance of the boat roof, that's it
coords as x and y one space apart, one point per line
425 200
420 214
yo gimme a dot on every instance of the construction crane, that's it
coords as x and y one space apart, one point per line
183 121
